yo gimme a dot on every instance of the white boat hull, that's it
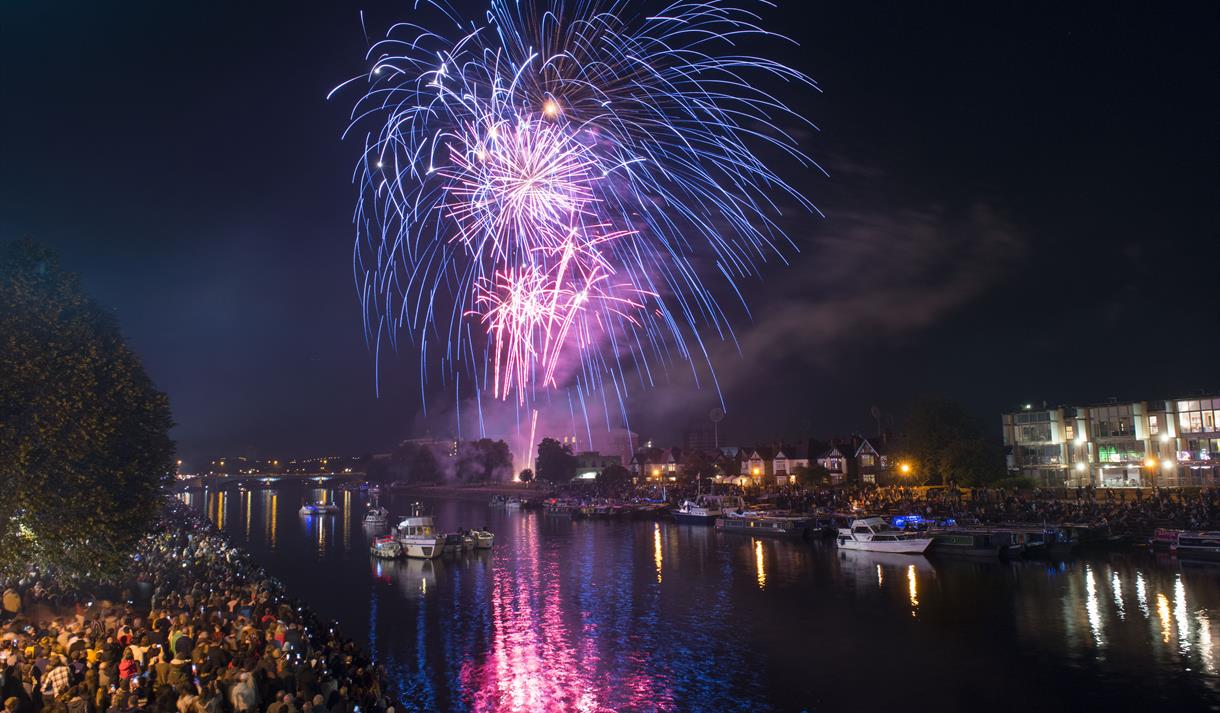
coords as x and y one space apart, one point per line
422 547
913 546
483 540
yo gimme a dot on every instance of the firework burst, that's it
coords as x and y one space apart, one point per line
566 183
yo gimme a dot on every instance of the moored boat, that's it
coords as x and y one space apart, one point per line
483 539
418 536
985 543
386 547
319 509
775 525
1203 545
874 534
704 509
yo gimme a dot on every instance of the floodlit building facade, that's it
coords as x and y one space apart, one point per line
1161 443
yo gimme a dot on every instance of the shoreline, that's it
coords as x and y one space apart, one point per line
471 492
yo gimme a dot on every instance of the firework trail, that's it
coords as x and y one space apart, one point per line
557 185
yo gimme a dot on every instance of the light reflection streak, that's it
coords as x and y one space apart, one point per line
1117 586
656 548
1179 610
247 501
220 509
1206 646
275 512
912 589
880 577
1141 593
1092 608
759 564
347 519
1162 610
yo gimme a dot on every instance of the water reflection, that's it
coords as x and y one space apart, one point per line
589 615
912 589
760 565
657 557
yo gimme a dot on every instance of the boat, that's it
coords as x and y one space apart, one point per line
483 539
457 542
513 503
418 536
1163 539
376 516
1197 545
987 543
386 547
874 534
319 509
705 509
775 525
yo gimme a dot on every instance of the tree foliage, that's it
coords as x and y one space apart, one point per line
84 435
944 443
555 463
614 475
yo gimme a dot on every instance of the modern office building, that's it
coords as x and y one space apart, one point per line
1168 443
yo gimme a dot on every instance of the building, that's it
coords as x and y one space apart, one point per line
871 461
591 464
836 461
699 439
1162 443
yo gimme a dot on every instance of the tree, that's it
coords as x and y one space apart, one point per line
84 435
697 464
943 442
526 476
613 475
810 475
555 463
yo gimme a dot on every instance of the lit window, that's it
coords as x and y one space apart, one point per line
1154 425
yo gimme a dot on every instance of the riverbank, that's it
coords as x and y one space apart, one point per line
483 491
198 622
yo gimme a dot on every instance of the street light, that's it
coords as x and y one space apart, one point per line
905 468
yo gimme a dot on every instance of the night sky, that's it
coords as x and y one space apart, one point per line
1024 205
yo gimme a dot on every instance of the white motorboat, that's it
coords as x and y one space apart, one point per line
377 516
319 509
874 534
483 539
513 503
419 538
704 509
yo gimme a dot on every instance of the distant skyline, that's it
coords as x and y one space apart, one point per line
1024 205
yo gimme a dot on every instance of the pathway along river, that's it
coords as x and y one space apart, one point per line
613 616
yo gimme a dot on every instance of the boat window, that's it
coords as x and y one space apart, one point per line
861 530
885 538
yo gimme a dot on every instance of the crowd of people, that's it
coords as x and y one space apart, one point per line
199 629
1132 511
1136 512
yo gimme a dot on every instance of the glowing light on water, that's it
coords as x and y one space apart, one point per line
759 565
1206 646
1092 608
1180 613
1162 610
912 588
656 548
880 577
1117 585
1141 593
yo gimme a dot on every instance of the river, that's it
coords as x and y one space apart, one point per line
613 616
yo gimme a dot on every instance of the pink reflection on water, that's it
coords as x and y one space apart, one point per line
539 662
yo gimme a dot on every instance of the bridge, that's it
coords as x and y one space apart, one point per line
262 480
